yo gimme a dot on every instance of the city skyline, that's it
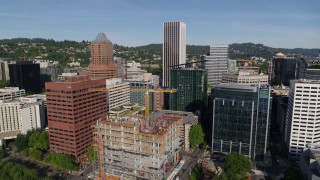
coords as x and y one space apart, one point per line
286 24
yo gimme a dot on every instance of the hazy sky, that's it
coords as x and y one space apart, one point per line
276 23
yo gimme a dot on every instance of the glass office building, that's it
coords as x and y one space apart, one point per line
241 119
191 86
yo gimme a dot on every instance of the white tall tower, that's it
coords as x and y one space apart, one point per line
173 48
216 63
302 122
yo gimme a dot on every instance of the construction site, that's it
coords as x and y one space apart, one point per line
133 148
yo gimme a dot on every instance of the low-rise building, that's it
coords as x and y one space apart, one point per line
10 93
63 76
245 77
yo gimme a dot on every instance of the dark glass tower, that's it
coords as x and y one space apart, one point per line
241 119
25 75
191 86
283 70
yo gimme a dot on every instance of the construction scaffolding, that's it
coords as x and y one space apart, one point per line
129 148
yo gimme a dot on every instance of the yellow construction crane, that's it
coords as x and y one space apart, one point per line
146 97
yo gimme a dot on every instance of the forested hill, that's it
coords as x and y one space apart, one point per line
240 50
66 51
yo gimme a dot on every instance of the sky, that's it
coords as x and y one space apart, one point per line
275 23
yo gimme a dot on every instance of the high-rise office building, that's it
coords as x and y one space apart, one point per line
173 48
122 66
4 70
216 63
101 62
191 86
302 116
72 110
283 69
241 116
25 75
309 68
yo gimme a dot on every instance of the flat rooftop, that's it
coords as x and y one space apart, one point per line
159 121
307 81
9 134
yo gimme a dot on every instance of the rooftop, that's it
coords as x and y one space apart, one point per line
101 37
239 87
159 121
9 89
76 79
307 81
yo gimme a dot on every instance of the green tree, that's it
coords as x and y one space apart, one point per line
1 152
35 153
196 172
16 171
39 140
196 136
236 165
4 83
222 176
91 153
63 161
21 142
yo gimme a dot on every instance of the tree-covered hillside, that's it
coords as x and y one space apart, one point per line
67 51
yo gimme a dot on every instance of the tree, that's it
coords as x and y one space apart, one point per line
196 172
63 161
91 153
236 165
34 153
222 176
21 142
1 152
196 136
4 83
16 171
39 140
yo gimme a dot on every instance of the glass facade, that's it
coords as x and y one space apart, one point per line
139 97
25 75
241 119
191 86
284 70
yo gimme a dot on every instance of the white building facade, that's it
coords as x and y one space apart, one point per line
10 118
244 77
118 93
302 122
4 70
216 63
10 93
22 115
173 48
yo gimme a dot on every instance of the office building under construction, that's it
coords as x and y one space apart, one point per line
131 148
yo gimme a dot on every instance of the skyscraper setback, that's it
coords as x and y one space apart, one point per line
173 48
101 64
